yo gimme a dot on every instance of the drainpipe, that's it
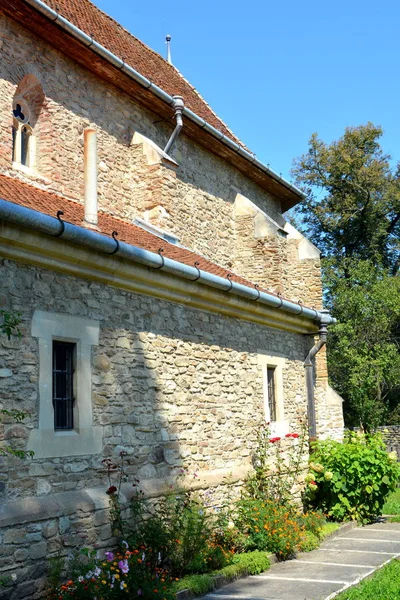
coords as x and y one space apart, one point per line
178 106
309 367
90 160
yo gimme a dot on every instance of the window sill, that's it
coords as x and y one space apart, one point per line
279 428
47 443
29 172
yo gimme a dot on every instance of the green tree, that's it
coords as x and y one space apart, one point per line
363 356
352 208
352 213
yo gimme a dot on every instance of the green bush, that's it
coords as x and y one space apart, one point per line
269 526
309 541
180 532
351 480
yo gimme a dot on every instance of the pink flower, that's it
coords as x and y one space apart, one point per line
274 439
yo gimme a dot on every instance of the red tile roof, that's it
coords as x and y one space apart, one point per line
110 34
15 191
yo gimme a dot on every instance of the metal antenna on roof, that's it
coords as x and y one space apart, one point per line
168 42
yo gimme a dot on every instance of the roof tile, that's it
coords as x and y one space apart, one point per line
110 34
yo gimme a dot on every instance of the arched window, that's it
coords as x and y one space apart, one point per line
27 103
23 142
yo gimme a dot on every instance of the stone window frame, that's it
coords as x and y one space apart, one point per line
277 362
18 126
44 441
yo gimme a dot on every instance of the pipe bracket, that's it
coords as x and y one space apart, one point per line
160 252
196 266
229 277
62 224
114 236
299 302
280 298
256 287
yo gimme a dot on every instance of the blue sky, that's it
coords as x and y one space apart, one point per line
275 72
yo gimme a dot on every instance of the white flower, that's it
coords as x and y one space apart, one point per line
14 577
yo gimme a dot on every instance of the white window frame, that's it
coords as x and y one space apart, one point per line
280 426
84 438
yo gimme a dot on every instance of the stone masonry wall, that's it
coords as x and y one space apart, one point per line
391 437
172 386
194 201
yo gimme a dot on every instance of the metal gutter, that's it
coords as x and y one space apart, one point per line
157 91
56 227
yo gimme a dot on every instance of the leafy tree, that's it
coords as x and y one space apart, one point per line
352 208
352 213
364 357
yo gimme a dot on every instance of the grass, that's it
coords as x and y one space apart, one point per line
384 585
250 563
392 504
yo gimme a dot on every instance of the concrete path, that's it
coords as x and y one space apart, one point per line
340 562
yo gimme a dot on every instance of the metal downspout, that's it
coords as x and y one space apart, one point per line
178 106
309 367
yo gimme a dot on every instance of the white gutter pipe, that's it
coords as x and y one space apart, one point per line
157 91
79 235
90 175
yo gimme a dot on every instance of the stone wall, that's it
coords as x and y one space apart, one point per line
172 386
195 200
391 437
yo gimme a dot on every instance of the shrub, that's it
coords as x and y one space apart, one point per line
309 541
181 532
351 480
269 526
117 576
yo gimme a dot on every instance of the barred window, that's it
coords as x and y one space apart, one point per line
63 384
271 392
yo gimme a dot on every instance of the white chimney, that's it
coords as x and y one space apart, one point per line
90 159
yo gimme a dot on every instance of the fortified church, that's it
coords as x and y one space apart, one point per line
167 308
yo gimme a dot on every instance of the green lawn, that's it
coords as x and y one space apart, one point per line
384 585
392 504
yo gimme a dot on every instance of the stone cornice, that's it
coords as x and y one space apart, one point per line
40 250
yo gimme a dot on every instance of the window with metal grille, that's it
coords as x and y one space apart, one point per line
271 393
63 385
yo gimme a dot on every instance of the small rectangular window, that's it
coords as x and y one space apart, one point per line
271 393
63 384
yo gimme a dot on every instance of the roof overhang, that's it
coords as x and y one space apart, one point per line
195 128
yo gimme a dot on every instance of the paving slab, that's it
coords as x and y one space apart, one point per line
320 575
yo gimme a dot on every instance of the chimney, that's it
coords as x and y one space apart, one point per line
168 42
90 159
